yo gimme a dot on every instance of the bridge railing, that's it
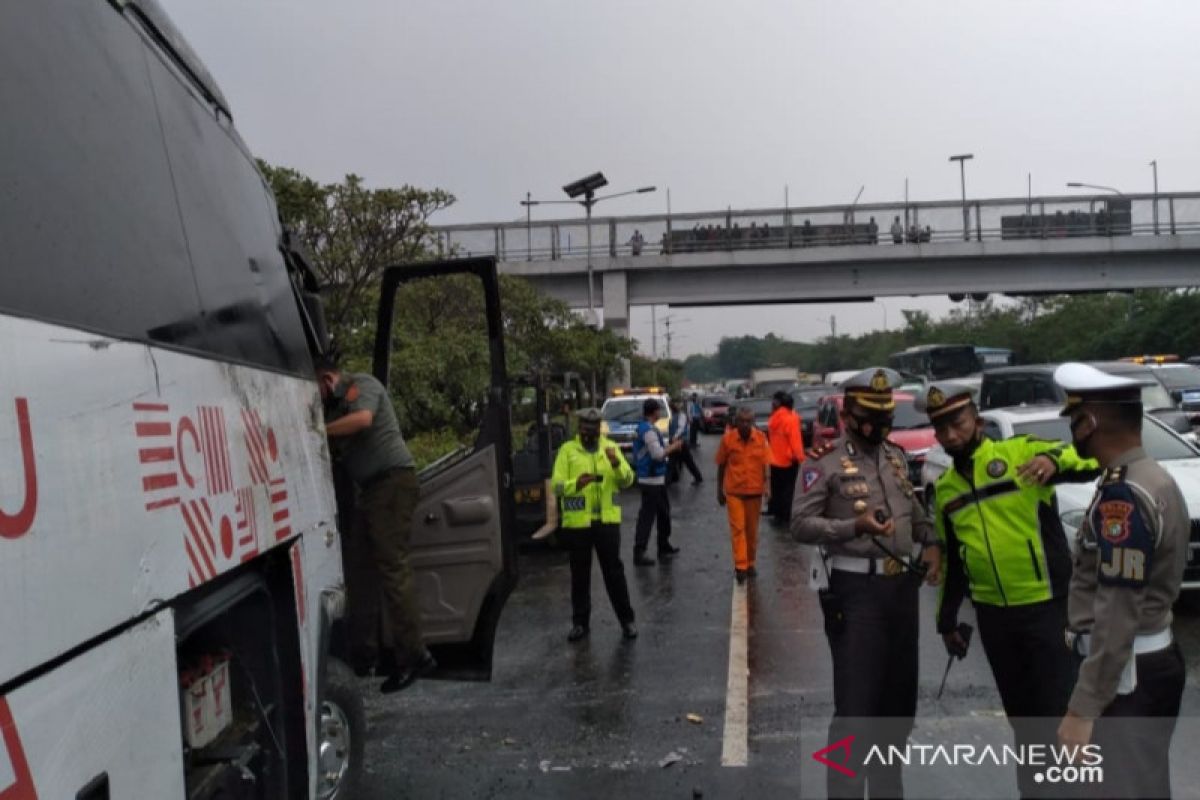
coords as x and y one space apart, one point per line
919 223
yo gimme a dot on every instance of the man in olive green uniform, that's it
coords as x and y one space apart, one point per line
1129 562
998 520
365 436
588 471
853 499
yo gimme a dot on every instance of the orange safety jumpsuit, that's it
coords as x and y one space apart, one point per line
745 464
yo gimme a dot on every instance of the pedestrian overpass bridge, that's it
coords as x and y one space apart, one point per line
849 253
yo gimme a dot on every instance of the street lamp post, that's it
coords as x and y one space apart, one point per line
1154 166
583 192
1078 185
962 171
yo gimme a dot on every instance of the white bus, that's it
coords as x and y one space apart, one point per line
170 572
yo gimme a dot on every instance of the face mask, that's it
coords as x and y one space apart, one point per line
872 429
966 450
1082 444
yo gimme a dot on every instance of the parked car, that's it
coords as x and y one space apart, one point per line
623 411
910 430
1182 381
807 400
1178 457
714 410
1034 385
762 410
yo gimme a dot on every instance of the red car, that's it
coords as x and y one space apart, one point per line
714 413
911 430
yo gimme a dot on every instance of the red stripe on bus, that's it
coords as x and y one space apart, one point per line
152 429
164 481
150 455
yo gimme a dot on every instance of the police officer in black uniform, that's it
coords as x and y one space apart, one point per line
854 500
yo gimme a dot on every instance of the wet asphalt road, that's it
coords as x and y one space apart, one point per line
596 719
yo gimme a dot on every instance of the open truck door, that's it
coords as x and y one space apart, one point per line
463 542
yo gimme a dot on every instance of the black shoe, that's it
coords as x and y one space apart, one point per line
752 572
667 552
628 630
577 633
740 576
403 677
641 560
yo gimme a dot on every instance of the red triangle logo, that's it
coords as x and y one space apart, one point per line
843 745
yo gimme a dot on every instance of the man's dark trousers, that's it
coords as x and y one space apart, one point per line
874 676
1034 672
783 488
378 570
682 459
1139 727
606 540
656 506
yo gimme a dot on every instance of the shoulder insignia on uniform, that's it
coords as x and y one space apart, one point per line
1114 475
821 451
1124 537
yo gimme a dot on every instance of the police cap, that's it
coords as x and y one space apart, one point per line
872 388
1084 383
944 397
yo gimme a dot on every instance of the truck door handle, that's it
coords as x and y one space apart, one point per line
431 518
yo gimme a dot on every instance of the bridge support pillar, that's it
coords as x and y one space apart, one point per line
616 313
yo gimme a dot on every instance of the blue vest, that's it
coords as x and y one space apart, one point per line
647 467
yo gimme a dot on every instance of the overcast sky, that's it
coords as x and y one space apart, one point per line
722 102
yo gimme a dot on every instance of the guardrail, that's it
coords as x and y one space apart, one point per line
919 223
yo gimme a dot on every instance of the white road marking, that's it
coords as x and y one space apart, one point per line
735 748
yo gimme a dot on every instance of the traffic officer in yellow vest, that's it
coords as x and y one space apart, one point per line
997 517
1130 555
853 499
588 472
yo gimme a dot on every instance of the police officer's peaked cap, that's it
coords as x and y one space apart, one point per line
589 415
944 397
1084 383
872 388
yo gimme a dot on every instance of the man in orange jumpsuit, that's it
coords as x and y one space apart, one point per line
787 451
743 479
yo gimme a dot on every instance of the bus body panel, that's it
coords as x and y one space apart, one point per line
130 475
112 713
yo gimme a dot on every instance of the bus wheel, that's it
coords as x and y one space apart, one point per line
341 730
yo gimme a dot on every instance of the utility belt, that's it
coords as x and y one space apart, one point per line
887 567
1081 643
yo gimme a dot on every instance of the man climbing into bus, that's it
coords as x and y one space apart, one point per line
365 437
